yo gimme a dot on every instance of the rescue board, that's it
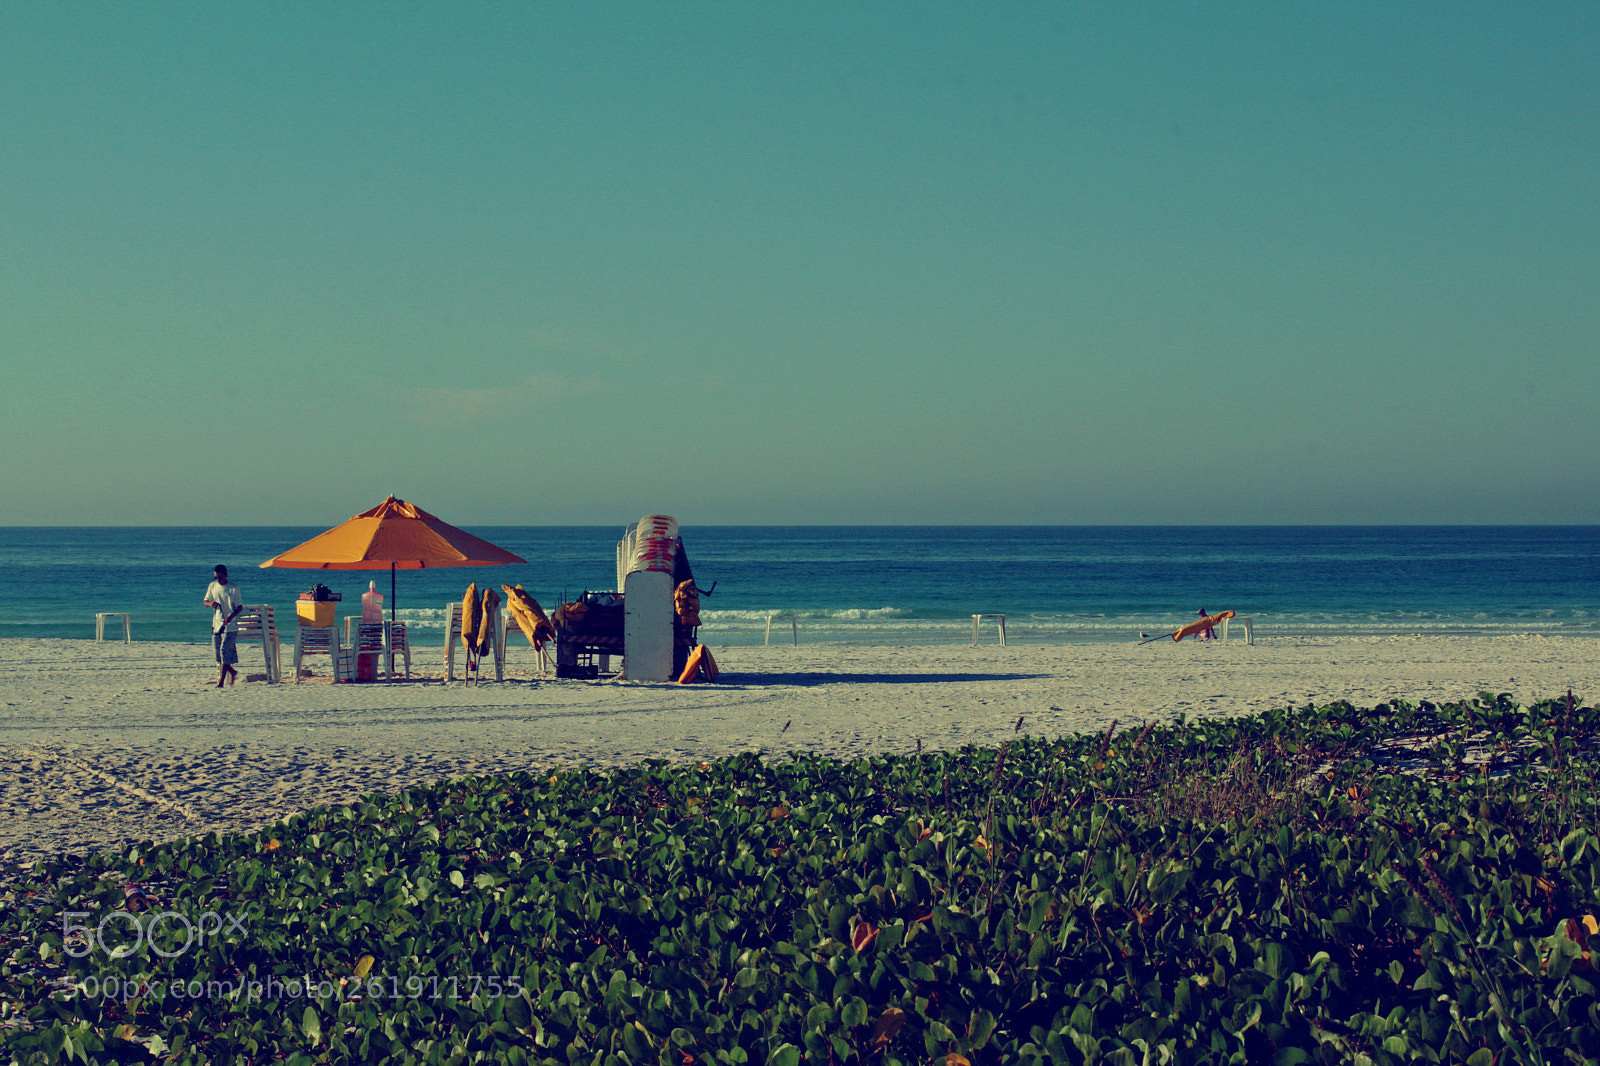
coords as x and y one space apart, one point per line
700 661
1192 628
1202 625
647 626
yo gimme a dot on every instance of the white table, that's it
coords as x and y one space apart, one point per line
1000 619
100 627
794 627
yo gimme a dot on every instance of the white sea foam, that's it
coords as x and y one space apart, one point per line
854 625
847 614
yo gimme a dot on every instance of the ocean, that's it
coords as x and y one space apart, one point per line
873 584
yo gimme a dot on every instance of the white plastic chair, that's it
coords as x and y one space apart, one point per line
998 619
324 640
256 623
794 627
100 627
1249 628
452 635
367 638
384 639
504 628
397 642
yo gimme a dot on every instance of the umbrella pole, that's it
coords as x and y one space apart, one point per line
391 595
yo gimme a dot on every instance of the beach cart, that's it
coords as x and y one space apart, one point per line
651 620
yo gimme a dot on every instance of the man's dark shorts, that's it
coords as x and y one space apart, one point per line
226 646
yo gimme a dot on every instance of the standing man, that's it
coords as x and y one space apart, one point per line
223 597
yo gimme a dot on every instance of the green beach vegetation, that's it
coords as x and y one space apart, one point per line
1325 884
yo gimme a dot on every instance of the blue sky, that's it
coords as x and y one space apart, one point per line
570 263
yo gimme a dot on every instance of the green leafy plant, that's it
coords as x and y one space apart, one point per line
1322 884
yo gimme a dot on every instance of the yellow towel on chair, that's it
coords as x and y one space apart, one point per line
485 634
529 616
471 618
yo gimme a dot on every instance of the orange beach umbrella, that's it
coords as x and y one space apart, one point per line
395 535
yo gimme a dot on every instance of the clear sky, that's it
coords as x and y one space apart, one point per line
876 262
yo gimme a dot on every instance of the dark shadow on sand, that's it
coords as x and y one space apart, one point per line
822 677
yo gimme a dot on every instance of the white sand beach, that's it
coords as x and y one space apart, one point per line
106 743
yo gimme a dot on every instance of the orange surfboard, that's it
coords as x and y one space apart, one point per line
700 661
1202 625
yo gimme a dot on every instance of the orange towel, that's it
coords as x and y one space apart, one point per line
686 602
529 616
471 618
485 632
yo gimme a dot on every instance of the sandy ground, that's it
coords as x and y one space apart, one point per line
101 744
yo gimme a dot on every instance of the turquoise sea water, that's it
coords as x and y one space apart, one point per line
875 584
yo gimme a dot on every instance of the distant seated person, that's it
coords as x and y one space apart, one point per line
1208 633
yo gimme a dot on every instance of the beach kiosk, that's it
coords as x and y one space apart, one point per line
650 620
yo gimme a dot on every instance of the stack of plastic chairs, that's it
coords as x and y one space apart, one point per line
452 634
649 544
256 623
367 638
399 644
655 543
324 640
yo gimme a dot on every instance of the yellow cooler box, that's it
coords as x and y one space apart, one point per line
315 612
